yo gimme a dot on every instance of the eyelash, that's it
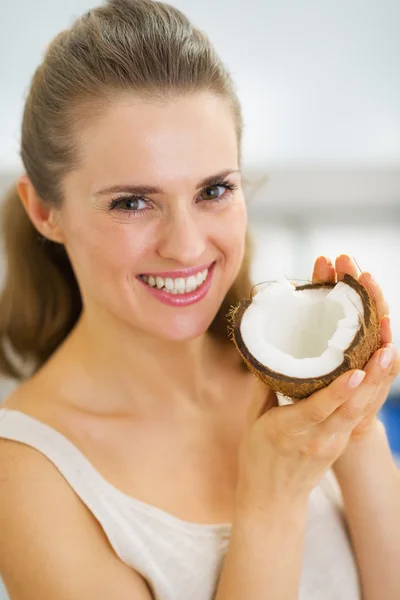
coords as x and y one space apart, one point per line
229 187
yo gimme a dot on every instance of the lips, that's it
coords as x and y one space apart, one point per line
179 273
181 299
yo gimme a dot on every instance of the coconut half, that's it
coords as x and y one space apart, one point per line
297 339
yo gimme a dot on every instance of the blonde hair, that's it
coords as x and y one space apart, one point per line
125 47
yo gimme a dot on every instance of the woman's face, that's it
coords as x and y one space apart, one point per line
114 237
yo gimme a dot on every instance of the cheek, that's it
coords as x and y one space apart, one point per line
111 250
232 231
107 252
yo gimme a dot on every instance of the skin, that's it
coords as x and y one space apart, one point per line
172 146
125 336
122 325
378 380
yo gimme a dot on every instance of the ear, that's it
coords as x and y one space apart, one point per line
44 218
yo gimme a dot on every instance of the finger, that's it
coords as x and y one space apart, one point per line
395 365
374 407
345 265
324 271
382 396
378 377
392 373
378 380
386 330
347 416
319 406
382 364
340 422
369 282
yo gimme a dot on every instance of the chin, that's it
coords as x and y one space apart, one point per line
180 329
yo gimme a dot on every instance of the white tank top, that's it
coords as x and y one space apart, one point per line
181 560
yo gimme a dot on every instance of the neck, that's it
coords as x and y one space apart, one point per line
126 370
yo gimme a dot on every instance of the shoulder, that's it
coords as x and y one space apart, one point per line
30 483
38 401
51 544
33 496
25 394
19 396
29 480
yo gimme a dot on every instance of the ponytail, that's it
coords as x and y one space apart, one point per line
40 300
122 48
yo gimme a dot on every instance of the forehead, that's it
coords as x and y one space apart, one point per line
186 136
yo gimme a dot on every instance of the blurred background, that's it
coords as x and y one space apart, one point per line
320 89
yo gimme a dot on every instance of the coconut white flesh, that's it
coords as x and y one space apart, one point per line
301 333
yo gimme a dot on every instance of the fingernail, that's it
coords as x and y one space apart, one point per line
356 378
386 357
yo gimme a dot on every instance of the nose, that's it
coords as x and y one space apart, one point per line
182 241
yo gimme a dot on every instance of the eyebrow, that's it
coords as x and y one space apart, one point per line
147 189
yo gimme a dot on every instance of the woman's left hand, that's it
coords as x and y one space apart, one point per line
378 379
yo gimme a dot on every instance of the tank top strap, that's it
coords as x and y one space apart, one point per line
120 523
65 456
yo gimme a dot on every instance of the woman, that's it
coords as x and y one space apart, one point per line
139 459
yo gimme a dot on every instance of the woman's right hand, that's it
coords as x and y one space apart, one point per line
286 450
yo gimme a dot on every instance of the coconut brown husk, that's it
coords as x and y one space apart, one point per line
364 344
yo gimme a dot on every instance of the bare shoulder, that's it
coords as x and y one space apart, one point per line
26 394
51 544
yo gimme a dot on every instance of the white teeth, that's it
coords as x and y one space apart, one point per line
191 284
180 285
169 284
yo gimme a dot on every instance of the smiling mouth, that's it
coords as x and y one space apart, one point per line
178 285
